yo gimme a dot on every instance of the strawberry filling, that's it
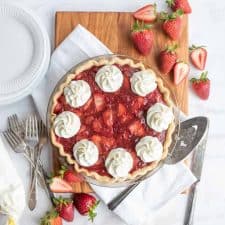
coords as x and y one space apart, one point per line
111 120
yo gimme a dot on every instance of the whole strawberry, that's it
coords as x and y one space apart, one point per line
69 175
51 218
198 56
142 37
65 208
201 86
167 59
172 24
180 4
86 204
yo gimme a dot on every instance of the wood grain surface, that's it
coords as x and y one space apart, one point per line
113 29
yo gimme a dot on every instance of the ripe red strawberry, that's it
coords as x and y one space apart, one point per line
201 86
65 208
172 24
142 37
198 56
58 185
108 117
147 13
180 4
51 218
86 204
69 175
167 59
136 128
180 71
99 102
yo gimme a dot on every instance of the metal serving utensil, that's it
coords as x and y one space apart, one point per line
191 134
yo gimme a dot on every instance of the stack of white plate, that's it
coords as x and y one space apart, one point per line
24 52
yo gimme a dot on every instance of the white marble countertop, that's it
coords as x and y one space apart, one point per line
207 27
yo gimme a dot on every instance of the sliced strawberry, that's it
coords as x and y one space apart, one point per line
58 108
180 4
108 117
147 13
121 110
97 140
88 104
137 103
108 143
58 185
89 120
71 177
181 70
198 56
172 24
201 86
97 125
136 128
142 37
99 102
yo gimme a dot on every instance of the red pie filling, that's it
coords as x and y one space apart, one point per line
111 120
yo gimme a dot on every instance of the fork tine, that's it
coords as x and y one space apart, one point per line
16 121
36 126
9 139
16 137
10 123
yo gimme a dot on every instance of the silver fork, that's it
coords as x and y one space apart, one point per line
19 146
31 138
42 141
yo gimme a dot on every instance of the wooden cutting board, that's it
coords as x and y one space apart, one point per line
113 29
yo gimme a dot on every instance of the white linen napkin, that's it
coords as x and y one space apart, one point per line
151 194
12 194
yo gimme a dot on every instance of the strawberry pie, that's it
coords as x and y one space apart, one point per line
112 119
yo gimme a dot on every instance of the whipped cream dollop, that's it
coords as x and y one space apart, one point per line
159 116
149 149
109 78
77 93
11 200
85 152
66 124
143 82
119 162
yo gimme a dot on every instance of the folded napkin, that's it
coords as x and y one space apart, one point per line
12 194
151 194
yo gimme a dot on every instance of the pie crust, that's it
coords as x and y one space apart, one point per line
106 179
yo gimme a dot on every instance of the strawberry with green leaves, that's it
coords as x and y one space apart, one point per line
172 24
65 208
147 13
198 56
69 175
51 218
179 4
167 59
201 86
86 204
142 37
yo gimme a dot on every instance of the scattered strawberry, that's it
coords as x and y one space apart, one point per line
167 59
172 24
65 208
142 37
69 175
99 102
58 185
201 86
86 204
108 117
147 13
136 128
180 71
51 218
180 4
97 125
198 55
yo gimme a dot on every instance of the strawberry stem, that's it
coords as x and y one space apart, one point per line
91 212
203 77
141 27
166 16
193 47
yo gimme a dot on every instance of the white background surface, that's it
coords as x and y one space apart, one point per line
207 27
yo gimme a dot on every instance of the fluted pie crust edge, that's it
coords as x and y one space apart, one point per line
106 179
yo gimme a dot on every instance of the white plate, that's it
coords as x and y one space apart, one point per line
24 52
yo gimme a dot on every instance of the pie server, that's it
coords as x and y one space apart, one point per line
192 132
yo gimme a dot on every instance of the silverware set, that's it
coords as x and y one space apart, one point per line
28 138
